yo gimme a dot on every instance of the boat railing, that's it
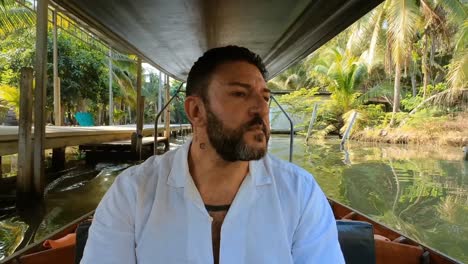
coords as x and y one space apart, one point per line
158 115
291 125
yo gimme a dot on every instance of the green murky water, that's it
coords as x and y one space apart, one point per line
421 191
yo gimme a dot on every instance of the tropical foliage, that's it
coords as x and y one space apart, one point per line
83 72
406 56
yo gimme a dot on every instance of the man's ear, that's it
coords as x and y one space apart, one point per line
195 110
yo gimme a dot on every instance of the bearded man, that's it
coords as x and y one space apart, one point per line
220 198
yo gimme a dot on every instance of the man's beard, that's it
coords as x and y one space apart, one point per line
230 143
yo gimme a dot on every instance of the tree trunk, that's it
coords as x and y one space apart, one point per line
396 93
413 82
424 66
98 118
129 114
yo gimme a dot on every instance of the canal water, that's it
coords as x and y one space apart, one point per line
421 191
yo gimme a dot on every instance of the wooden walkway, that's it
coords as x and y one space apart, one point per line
58 137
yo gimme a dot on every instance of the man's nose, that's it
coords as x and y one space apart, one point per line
259 106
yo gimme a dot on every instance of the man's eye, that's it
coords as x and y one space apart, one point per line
267 98
238 94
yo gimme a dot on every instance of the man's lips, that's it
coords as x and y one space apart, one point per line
258 128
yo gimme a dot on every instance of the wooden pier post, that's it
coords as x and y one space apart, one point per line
40 96
111 95
56 81
24 183
167 118
58 159
348 130
140 108
312 121
160 90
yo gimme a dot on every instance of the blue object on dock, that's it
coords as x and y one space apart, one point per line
84 119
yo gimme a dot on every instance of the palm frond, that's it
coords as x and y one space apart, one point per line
369 59
403 16
456 9
457 76
384 89
14 17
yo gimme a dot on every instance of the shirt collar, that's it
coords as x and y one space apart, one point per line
180 171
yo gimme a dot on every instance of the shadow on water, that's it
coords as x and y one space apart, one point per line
420 190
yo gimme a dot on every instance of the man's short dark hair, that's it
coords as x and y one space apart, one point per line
200 74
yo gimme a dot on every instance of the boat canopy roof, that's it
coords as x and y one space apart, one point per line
171 35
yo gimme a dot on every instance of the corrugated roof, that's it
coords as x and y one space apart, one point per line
171 35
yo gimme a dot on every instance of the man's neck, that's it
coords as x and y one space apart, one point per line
217 180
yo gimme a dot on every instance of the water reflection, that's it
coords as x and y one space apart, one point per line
12 232
68 197
421 191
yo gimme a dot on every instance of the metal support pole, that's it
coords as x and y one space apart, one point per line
24 182
291 132
348 130
56 81
111 95
40 96
312 121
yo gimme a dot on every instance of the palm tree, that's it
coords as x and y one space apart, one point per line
402 18
297 76
402 21
14 16
345 73
124 70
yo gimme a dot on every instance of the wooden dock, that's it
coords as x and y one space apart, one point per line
63 136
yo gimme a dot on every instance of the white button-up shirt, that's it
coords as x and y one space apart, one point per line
153 213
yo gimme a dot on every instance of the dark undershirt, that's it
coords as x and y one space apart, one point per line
217 212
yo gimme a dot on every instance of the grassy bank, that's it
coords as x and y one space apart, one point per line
445 130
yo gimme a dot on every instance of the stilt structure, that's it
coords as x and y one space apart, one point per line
312 121
140 108
167 118
348 130
111 95
56 81
40 96
24 182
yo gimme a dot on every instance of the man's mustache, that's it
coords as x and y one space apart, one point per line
256 121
